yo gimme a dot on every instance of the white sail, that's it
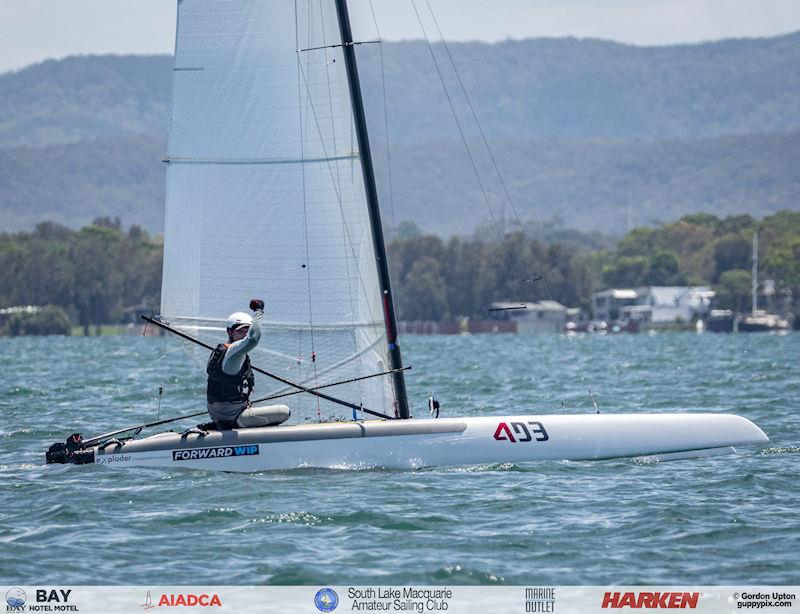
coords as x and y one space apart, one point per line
265 197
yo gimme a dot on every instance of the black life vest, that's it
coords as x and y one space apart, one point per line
228 388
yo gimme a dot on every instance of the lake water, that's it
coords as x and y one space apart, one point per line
725 520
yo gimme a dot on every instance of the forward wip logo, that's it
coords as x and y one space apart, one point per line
668 600
522 433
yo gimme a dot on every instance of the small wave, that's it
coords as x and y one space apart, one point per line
217 513
20 466
456 574
781 450
510 467
388 522
20 391
302 518
296 575
17 433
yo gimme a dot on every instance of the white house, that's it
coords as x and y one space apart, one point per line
653 304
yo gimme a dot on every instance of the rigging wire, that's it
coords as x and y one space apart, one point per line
485 140
350 293
475 117
507 193
393 263
511 267
327 158
305 208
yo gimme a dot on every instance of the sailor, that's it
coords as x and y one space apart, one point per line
231 379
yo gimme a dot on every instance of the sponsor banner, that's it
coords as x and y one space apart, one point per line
399 599
216 452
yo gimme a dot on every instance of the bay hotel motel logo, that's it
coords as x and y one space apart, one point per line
47 600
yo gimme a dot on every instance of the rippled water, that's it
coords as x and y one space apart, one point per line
723 520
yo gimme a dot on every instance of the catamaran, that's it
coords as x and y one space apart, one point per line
271 192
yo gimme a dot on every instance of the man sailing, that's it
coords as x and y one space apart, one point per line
231 379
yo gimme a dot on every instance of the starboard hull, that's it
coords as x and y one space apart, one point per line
412 444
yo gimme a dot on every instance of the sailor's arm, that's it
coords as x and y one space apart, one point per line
237 351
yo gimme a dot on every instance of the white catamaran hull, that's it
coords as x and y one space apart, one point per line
445 442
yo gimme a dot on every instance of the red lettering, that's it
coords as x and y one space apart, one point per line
650 600
190 600
674 600
503 428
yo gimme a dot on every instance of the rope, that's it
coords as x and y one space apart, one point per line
469 153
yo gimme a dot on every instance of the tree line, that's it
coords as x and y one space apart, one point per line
438 279
103 274
702 249
96 275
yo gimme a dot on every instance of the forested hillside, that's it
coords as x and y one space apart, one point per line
85 98
556 88
600 135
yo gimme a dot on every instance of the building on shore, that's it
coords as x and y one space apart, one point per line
653 305
538 317
607 306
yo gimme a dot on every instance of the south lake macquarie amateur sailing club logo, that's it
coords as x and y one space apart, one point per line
326 600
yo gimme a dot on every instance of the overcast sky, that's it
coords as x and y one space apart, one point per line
34 30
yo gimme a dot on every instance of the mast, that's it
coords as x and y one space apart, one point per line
373 206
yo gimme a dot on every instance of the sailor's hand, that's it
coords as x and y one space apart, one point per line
257 304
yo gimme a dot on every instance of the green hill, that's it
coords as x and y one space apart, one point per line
595 133
85 98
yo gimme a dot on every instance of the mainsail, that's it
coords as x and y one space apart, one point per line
266 197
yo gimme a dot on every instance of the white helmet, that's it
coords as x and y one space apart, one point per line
239 319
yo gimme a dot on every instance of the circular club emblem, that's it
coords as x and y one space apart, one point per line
15 598
326 600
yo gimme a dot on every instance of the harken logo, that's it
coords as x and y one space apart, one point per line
667 600
189 600
521 433
219 452
15 599
326 600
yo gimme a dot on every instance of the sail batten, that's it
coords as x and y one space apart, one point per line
327 159
265 195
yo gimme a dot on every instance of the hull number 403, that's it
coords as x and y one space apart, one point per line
521 432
